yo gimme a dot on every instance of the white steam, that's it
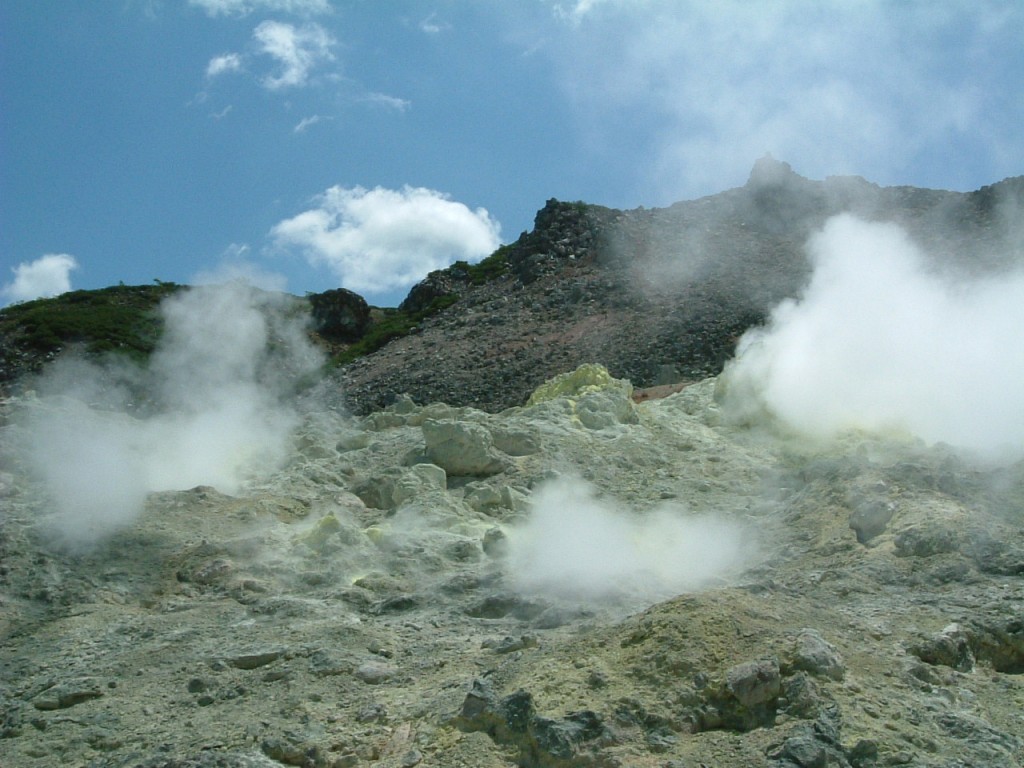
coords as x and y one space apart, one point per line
212 404
879 342
576 545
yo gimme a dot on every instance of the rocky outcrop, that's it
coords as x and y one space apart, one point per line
339 315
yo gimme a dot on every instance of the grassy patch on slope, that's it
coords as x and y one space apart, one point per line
121 318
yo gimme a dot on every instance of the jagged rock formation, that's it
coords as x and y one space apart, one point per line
339 314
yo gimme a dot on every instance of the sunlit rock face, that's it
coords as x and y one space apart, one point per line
586 580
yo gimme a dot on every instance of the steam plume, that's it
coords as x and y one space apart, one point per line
881 342
215 412
578 546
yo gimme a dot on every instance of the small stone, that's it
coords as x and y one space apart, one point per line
863 753
951 648
255 660
372 713
374 672
870 518
68 694
805 751
495 542
812 653
755 682
509 644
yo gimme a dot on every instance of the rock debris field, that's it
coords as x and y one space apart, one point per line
581 581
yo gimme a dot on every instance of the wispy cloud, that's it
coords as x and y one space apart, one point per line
840 87
576 11
244 7
432 26
306 122
391 102
219 65
379 240
298 50
49 275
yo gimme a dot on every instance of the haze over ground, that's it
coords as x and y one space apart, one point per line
324 140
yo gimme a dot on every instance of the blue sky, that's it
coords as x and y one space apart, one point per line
313 144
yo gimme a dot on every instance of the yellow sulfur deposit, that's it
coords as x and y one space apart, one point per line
588 378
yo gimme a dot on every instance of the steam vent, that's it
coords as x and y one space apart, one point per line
736 482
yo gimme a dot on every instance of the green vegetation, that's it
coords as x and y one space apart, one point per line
120 319
390 324
491 268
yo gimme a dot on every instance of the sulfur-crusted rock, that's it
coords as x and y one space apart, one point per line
462 448
588 378
596 399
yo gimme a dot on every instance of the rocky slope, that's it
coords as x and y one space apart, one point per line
387 598
657 296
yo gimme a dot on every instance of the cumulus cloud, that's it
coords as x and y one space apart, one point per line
211 408
243 7
219 65
298 50
576 545
881 341
842 87
378 240
49 275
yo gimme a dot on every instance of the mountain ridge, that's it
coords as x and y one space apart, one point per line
659 296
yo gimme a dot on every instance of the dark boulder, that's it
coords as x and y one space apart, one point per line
340 314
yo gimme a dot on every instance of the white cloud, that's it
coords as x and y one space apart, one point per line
381 240
391 102
297 49
305 122
867 87
48 275
229 62
575 12
243 7
879 342
432 26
